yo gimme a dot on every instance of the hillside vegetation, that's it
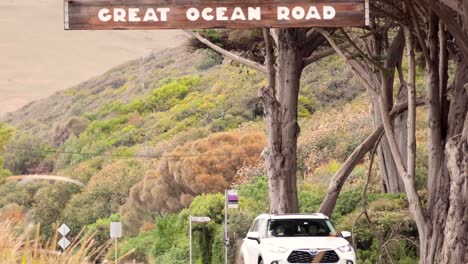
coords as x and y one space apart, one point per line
157 140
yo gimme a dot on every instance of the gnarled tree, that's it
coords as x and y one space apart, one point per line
288 52
442 221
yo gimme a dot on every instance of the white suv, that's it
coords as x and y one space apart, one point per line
298 238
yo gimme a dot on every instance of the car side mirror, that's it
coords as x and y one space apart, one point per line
254 236
346 234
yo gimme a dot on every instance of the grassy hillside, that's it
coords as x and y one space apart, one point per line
158 139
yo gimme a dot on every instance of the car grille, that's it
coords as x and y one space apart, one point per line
328 256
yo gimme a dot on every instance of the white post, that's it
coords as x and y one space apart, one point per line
190 237
225 228
115 253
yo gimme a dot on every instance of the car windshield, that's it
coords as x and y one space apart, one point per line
300 228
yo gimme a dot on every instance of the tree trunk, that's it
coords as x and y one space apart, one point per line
455 243
438 184
447 172
387 168
281 112
456 228
391 181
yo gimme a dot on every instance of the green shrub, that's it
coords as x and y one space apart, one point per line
140 246
105 193
309 201
22 160
101 228
19 193
257 190
305 107
175 255
166 96
49 202
170 233
391 226
6 133
347 202
208 60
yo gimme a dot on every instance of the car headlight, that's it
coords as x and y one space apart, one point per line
276 249
346 248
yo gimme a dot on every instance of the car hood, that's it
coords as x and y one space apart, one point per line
294 243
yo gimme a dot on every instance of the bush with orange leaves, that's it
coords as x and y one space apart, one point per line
207 165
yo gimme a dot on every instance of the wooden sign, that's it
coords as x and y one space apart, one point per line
199 14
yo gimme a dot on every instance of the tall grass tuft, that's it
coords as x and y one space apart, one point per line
25 246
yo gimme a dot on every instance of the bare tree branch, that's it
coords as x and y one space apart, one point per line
449 17
419 34
322 54
364 192
340 177
252 64
358 69
355 46
407 177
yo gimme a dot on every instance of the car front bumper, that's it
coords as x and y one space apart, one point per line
282 258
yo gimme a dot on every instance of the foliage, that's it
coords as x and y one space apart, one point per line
168 232
392 232
100 229
49 202
19 193
6 133
329 137
329 82
211 205
257 190
306 107
207 165
310 198
167 96
208 60
97 138
138 248
104 194
73 126
27 156
162 105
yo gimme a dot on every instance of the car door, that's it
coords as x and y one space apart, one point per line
252 246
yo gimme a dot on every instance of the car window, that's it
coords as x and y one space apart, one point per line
300 227
254 226
257 226
262 229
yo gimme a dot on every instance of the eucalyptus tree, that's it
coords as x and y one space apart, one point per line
438 31
287 53
441 38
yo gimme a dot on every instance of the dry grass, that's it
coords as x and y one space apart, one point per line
25 246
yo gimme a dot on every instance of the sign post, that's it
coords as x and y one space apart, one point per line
190 237
196 14
115 233
196 219
231 200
